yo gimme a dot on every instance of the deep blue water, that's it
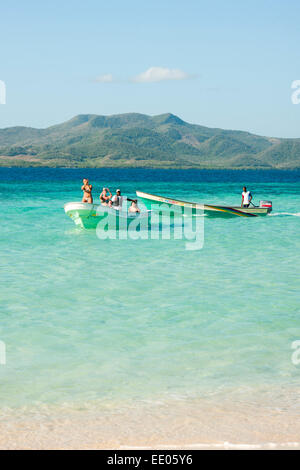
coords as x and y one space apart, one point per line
139 175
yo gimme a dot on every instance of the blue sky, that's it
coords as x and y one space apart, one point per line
227 64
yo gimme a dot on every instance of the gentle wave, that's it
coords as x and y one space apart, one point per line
276 214
223 446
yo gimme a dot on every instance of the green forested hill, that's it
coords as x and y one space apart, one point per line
138 140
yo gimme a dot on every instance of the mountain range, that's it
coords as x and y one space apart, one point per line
138 140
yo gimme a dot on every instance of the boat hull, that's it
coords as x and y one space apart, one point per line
162 203
88 216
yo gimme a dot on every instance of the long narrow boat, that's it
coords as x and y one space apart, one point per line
89 215
162 203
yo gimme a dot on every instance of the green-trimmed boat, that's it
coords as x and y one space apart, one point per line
89 215
162 203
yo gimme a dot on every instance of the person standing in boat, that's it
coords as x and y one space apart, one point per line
87 191
246 197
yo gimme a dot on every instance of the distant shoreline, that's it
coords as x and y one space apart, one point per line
150 168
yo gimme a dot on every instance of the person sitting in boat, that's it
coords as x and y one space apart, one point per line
134 207
105 196
246 197
87 191
116 201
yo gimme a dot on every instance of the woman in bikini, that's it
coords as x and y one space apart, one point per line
105 197
87 191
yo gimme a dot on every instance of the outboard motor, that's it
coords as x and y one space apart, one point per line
266 205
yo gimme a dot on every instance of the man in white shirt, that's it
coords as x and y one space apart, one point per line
246 197
117 200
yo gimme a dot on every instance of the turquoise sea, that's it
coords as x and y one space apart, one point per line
115 321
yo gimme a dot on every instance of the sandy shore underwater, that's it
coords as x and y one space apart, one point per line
193 425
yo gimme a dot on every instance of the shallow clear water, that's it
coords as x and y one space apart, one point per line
115 320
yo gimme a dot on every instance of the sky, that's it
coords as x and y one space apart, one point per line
227 64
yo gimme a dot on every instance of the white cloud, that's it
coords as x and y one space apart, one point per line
158 74
107 78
